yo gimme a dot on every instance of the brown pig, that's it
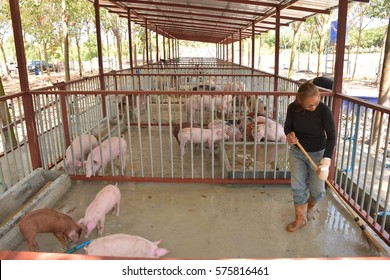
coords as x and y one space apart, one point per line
49 221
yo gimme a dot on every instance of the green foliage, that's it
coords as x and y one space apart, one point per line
379 9
87 46
370 38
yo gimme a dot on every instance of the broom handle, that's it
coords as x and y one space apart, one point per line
350 210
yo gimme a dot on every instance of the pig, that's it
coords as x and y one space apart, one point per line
193 107
260 134
105 200
132 103
49 221
268 129
222 104
96 163
254 101
209 135
217 124
233 133
125 245
176 128
234 86
81 147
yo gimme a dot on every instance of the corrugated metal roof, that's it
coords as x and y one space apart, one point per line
215 21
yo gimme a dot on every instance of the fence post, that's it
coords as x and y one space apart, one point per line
64 115
32 133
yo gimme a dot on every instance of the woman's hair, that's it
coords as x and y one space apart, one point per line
305 91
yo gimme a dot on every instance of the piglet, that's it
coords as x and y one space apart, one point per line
49 221
81 147
125 245
105 200
232 131
176 128
209 136
268 129
95 162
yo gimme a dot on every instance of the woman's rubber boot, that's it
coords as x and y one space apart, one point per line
310 208
300 218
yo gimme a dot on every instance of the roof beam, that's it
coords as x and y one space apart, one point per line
190 7
166 13
255 3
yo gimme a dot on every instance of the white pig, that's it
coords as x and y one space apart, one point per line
95 162
233 133
125 245
105 200
81 147
273 132
209 135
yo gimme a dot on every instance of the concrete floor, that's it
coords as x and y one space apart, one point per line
199 221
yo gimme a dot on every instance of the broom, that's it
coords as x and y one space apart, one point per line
370 239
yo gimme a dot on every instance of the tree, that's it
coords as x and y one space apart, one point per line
381 9
5 24
295 26
358 14
310 28
42 28
321 24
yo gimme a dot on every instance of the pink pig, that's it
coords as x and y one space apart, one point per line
125 245
95 163
273 132
209 136
233 133
105 200
81 147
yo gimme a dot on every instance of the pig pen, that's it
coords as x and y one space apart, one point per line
214 221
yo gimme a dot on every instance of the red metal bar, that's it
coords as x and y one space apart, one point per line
27 100
339 66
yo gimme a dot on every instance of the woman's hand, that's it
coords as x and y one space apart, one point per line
323 168
291 138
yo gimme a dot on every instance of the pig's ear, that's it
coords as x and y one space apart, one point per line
83 227
161 252
95 161
157 242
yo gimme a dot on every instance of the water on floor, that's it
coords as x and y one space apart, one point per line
202 221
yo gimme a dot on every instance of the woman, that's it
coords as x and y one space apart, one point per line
310 122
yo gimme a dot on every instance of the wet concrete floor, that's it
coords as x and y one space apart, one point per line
202 221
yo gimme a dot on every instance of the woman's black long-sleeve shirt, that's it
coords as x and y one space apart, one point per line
315 130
